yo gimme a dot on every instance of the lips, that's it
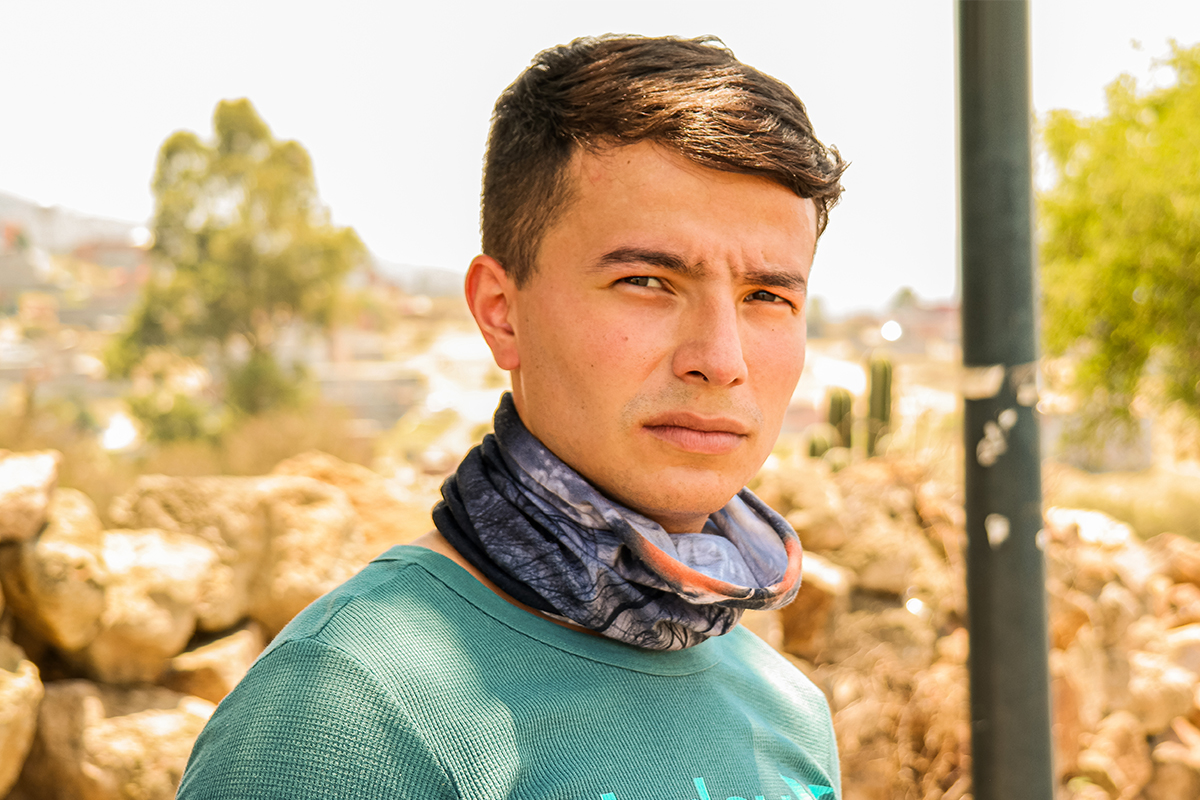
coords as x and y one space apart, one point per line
699 434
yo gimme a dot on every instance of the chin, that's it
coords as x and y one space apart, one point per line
675 503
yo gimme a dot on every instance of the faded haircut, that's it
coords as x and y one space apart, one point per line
690 96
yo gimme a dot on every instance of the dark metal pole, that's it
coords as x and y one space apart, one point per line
1010 696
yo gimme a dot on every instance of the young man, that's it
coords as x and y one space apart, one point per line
650 213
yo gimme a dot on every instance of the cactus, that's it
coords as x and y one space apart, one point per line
841 414
879 417
820 439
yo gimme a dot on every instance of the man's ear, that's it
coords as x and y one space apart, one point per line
492 297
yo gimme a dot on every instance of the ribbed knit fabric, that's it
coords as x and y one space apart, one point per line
413 680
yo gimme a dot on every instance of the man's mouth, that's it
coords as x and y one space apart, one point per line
696 433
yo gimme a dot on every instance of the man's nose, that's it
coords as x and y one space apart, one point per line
709 346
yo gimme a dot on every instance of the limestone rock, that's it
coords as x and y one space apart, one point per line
1069 610
1114 611
1182 646
824 592
1177 604
1180 557
1176 764
1174 774
55 583
807 496
212 670
1066 728
104 743
155 584
935 731
26 482
1083 544
1159 691
866 738
20 694
313 546
1118 757
385 518
226 514
280 541
1099 677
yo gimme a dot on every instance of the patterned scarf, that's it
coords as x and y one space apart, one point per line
548 538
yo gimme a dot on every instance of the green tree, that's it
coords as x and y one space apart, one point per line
242 248
1120 244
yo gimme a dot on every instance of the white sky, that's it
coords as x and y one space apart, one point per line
392 100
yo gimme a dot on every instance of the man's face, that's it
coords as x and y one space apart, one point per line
659 341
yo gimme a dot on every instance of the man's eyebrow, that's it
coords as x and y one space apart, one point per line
777 278
654 258
624 256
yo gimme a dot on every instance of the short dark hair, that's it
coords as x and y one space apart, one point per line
689 95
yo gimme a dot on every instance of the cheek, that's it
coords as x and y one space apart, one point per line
779 358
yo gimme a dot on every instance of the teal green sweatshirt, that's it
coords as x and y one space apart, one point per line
413 680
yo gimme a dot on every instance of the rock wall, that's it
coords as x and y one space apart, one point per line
880 626
116 644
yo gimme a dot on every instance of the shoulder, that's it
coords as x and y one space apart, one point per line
319 714
311 721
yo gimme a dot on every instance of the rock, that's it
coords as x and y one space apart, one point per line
883 555
1177 604
314 545
26 482
884 486
1118 757
866 737
155 583
226 514
813 504
889 642
20 694
281 541
824 592
1069 610
384 517
104 743
1179 555
954 647
1159 691
55 583
1175 776
934 731
1176 764
1113 612
1066 728
1136 566
942 516
212 670
1099 677
1182 646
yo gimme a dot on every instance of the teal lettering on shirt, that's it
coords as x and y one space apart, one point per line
802 791
701 788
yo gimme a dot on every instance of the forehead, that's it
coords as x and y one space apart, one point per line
643 195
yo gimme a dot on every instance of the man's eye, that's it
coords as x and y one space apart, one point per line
644 280
765 297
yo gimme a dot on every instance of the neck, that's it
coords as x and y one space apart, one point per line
437 543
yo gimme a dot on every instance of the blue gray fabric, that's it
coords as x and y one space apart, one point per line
548 538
